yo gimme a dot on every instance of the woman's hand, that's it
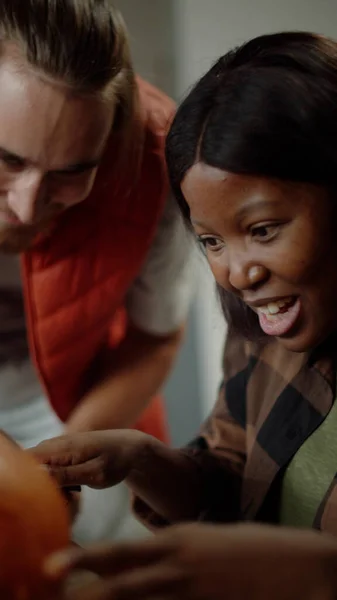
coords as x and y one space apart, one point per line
97 459
163 478
199 562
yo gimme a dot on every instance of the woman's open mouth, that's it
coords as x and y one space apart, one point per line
279 317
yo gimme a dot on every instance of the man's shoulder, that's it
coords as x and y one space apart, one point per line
157 108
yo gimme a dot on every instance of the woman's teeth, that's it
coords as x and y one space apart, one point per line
273 308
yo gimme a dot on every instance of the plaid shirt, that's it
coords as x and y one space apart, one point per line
270 402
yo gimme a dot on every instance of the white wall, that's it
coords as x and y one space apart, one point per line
150 25
208 28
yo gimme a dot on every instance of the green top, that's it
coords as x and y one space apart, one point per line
310 474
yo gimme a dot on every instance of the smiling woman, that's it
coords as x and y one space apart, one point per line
253 164
263 240
263 120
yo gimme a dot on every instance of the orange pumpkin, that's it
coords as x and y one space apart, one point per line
34 523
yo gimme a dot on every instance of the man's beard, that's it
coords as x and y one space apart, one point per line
15 239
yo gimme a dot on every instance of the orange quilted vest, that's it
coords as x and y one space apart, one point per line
76 279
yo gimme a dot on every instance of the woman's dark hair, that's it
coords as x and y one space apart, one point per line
269 109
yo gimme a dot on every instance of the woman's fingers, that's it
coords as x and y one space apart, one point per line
107 560
162 580
59 450
87 473
157 580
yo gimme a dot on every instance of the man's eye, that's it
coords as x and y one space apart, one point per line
69 174
12 162
211 242
264 233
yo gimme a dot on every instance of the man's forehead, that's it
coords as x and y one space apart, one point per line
41 123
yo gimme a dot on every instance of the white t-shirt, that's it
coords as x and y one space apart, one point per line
159 299
157 302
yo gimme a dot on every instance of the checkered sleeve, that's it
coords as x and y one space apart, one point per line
220 448
219 451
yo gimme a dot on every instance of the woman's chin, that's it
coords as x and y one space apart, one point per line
305 339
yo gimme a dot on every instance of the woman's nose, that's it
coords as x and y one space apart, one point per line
243 274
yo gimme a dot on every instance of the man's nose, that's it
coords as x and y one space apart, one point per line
25 195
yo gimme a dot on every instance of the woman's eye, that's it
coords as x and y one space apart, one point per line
264 233
211 242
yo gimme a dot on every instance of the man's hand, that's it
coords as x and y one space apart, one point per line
97 459
131 376
199 562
